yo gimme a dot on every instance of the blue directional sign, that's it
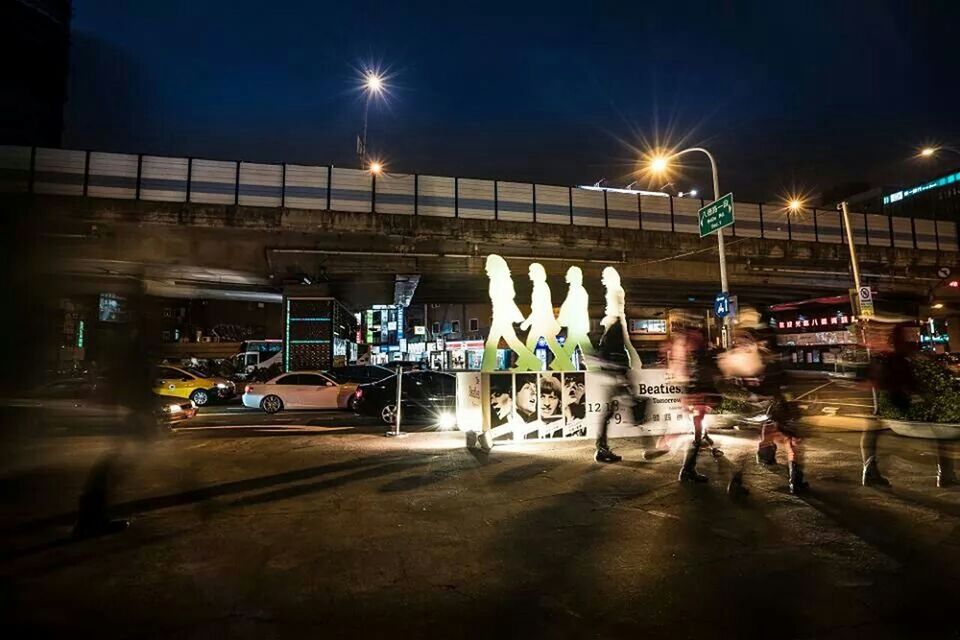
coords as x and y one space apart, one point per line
721 305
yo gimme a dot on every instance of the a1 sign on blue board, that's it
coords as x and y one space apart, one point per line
721 305
716 215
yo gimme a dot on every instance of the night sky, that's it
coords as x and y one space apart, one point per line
789 95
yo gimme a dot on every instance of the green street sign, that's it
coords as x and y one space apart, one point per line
716 215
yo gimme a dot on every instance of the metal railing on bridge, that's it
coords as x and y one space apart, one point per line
147 177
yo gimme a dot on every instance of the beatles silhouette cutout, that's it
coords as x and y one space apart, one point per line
541 323
506 313
615 311
575 316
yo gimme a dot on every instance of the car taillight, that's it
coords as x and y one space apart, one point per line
247 388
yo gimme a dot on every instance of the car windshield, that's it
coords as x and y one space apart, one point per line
334 376
195 372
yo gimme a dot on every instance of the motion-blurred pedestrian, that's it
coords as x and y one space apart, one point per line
699 375
781 428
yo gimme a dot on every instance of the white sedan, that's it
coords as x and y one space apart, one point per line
298 390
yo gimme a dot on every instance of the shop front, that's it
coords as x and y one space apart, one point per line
819 335
460 355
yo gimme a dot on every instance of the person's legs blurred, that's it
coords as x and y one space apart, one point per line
793 445
767 449
946 477
868 455
688 472
616 389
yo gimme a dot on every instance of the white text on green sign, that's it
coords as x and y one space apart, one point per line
716 215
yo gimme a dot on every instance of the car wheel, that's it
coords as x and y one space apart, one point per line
200 397
389 413
353 403
271 404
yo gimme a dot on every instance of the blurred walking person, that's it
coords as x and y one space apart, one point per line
616 357
129 383
891 375
696 368
781 428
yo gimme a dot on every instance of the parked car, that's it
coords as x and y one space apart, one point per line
426 396
184 382
359 373
298 390
85 402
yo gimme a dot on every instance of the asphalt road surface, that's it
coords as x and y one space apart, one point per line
322 527
832 396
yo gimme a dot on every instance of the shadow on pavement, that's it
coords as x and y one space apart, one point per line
392 463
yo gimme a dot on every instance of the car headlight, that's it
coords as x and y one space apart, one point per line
222 385
173 408
447 421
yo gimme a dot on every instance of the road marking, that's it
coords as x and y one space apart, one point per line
230 414
307 428
841 404
830 411
802 395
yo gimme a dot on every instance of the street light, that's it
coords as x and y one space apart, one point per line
658 164
373 86
373 82
376 168
795 205
929 152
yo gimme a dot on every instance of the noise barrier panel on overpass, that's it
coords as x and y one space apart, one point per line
395 193
261 185
553 204
623 210
305 187
164 179
112 175
437 196
515 201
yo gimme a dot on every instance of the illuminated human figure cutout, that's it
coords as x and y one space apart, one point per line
505 314
615 312
541 321
575 315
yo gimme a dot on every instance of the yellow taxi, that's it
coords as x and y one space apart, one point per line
184 382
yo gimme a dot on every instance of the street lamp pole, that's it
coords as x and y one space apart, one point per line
855 268
724 285
362 151
373 86
853 252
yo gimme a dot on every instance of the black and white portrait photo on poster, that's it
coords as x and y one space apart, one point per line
526 405
551 405
574 405
501 399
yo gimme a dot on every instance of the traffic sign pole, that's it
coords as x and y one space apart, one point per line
727 334
724 286
856 283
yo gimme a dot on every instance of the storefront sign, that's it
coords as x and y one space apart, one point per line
816 338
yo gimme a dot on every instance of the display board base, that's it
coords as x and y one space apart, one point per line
514 407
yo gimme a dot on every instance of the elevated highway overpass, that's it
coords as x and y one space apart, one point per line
220 231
